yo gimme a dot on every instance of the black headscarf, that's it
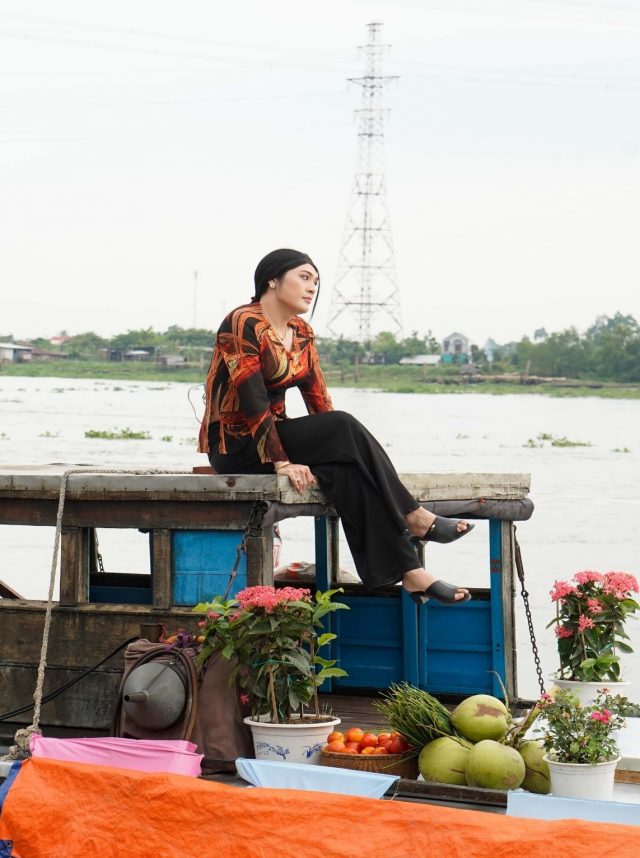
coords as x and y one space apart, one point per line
274 265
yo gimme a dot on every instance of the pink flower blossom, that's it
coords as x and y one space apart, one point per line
212 615
594 606
584 623
268 598
604 716
561 589
244 699
620 584
563 632
587 576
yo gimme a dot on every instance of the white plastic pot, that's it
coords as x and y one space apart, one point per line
291 743
580 780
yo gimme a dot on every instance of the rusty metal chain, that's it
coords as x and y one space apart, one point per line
527 610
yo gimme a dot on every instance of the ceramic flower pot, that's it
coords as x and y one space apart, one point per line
580 780
586 691
292 743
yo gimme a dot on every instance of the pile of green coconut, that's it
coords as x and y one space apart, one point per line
478 744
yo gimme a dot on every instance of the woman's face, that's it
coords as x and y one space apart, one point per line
297 287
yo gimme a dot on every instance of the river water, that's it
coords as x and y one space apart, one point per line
587 497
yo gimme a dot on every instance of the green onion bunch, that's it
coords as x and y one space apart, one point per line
414 713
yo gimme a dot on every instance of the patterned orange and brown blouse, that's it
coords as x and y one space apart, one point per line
249 375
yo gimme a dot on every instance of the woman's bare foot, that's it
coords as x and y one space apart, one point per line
420 520
419 580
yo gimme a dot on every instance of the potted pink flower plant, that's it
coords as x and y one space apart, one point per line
591 611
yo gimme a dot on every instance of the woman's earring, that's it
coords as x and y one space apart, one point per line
272 285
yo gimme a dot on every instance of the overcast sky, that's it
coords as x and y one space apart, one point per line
143 140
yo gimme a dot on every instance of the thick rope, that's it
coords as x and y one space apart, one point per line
22 736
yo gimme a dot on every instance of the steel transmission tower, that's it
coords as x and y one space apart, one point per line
366 290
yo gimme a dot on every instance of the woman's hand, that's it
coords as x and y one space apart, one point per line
300 476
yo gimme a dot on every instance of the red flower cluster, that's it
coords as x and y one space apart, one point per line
269 598
563 632
561 589
604 716
585 623
620 584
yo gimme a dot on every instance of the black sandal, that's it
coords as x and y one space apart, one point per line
441 592
443 530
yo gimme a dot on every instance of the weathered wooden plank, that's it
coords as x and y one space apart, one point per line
260 559
82 635
508 608
74 566
89 703
191 515
467 486
45 481
161 567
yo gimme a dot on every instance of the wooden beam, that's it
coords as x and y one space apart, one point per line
74 566
161 567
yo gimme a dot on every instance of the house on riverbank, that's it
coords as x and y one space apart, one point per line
14 353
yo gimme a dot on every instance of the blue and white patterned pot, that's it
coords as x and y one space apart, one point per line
293 743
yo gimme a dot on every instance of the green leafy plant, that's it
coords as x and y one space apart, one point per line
273 635
118 434
573 733
591 611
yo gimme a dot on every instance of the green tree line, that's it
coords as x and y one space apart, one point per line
608 350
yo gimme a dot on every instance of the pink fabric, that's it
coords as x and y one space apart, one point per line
144 755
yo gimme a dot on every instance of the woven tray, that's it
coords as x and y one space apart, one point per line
386 764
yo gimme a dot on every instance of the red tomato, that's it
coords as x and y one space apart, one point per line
335 747
336 736
398 746
369 740
383 737
380 750
354 734
356 746
367 750
348 750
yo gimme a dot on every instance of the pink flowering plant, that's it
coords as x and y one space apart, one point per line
273 635
591 611
580 734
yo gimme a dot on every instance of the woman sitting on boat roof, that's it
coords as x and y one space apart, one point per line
263 348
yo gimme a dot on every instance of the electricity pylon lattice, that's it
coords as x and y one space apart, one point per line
365 295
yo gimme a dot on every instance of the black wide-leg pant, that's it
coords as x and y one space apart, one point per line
356 476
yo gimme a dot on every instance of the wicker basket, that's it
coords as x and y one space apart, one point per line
404 765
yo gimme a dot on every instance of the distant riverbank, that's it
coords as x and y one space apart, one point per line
386 378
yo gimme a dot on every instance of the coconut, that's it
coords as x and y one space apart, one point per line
536 778
494 766
444 760
481 717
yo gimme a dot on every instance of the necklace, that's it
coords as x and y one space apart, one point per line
281 337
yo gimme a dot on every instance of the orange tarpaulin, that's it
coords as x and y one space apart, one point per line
79 811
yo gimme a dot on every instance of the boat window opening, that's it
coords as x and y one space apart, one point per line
35 545
119 566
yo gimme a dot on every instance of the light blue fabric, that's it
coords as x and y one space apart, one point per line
522 803
270 773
